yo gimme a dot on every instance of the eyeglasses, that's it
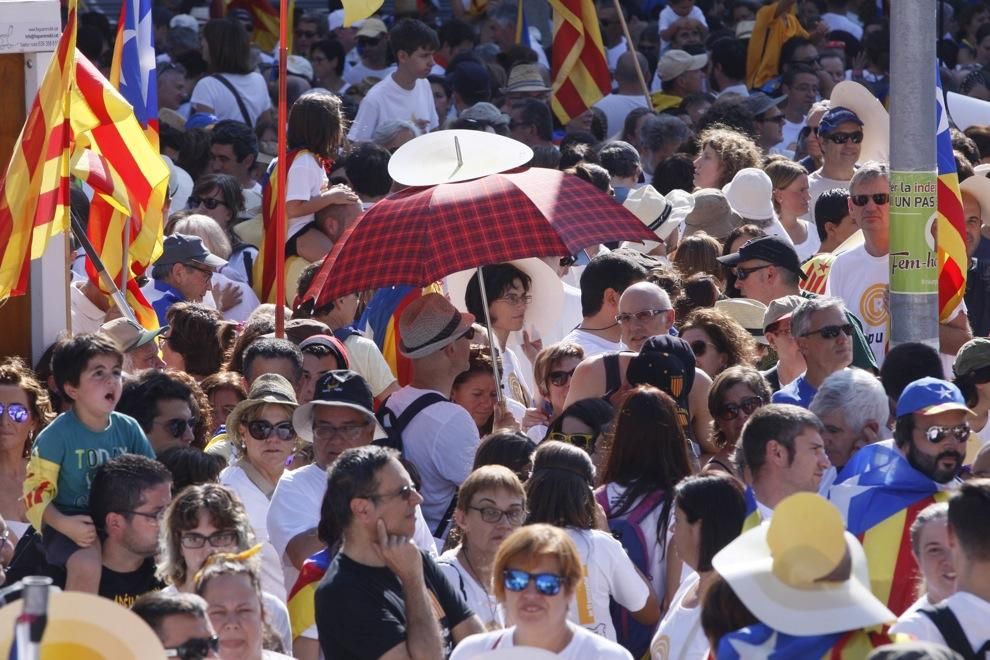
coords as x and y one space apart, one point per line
196 648
516 300
936 434
842 138
642 316
261 429
350 433
177 427
699 346
405 493
743 273
157 516
468 334
779 119
560 378
492 515
585 441
880 199
568 261
547 584
369 41
221 539
209 202
831 331
17 412
305 34
731 410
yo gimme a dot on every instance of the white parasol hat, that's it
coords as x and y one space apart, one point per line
661 214
967 111
802 573
876 121
455 155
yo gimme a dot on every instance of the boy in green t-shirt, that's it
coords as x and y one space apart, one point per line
87 371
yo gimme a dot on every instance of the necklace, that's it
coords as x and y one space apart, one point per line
493 622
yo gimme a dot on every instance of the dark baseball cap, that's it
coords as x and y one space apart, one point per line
342 388
772 249
835 117
182 249
470 79
667 363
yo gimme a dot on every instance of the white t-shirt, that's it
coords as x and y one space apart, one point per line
355 74
668 18
86 317
679 634
368 361
252 88
256 505
386 101
481 601
608 573
616 107
817 184
583 646
809 247
658 564
306 179
593 344
972 612
790 133
909 612
249 299
441 442
861 280
613 54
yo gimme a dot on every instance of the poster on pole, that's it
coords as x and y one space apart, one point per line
913 211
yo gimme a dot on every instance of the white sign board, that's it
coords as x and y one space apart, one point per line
29 26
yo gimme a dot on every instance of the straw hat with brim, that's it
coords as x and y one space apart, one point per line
544 285
342 389
661 214
748 313
876 121
83 625
967 111
978 187
455 155
711 214
780 309
128 335
750 194
788 572
429 324
525 78
973 355
267 389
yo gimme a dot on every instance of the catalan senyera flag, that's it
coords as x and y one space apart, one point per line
879 494
263 278
953 262
34 191
762 641
381 317
578 65
263 15
301 605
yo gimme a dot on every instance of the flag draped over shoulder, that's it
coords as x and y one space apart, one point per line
263 277
578 65
381 317
34 191
761 641
879 494
951 229
753 518
302 609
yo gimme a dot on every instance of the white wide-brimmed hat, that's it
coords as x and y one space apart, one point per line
750 194
662 214
746 312
802 573
876 121
979 187
455 155
545 287
967 111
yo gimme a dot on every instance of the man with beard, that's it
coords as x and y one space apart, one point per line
882 489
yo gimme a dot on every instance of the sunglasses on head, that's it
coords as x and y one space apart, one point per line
936 434
842 138
17 412
585 441
831 331
560 378
209 202
261 429
731 410
547 584
880 199
177 427
196 648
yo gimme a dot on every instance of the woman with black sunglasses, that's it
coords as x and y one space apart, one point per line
552 371
260 428
536 574
735 395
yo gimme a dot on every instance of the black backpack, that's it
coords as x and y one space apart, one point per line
952 632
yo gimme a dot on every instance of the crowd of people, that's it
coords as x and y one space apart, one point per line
698 445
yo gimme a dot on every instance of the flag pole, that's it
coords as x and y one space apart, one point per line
280 171
632 49
115 293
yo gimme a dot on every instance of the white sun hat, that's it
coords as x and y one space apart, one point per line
876 121
455 155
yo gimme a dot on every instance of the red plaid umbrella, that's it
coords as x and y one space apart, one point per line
420 235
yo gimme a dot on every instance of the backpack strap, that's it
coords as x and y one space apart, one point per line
394 424
346 332
237 97
445 519
646 505
613 378
950 629
601 496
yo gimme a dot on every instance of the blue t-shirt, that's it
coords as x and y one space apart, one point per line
797 392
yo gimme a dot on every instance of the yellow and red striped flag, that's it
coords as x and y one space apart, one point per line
263 278
34 191
578 65
950 235
263 15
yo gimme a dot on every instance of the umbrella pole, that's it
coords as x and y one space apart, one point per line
492 341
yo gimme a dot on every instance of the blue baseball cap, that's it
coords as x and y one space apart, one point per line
835 117
930 396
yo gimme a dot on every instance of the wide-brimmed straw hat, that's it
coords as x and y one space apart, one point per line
455 155
266 389
876 121
802 573
430 323
525 78
82 625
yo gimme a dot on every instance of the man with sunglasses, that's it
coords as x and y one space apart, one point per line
861 276
181 623
383 597
824 337
883 488
183 272
840 134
